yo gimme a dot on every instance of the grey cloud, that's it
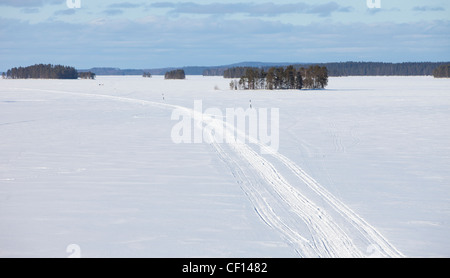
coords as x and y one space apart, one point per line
30 3
30 10
428 9
252 9
163 5
113 11
124 5
327 8
65 12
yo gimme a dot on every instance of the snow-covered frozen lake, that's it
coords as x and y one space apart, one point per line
362 169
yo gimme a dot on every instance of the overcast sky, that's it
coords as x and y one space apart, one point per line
150 34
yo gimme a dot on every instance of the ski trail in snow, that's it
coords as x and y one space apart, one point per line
372 236
315 213
281 205
262 206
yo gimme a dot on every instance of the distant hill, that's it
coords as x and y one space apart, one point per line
113 71
334 69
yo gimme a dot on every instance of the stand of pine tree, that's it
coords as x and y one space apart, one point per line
42 71
86 75
175 74
280 78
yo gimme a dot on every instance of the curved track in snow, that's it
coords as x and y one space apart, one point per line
330 229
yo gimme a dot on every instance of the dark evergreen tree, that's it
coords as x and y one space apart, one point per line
298 80
270 79
86 75
279 78
290 74
175 74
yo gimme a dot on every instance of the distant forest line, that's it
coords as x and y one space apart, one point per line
334 69
353 69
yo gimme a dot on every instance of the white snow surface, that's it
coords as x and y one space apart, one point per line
362 170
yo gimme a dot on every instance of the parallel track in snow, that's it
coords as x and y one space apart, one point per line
311 229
